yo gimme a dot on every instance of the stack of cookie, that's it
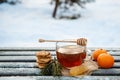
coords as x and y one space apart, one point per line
43 58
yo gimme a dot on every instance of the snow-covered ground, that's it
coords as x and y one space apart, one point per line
23 24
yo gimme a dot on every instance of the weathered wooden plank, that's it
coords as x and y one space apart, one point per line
32 65
19 72
50 48
18 65
31 58
36 72
17 58
32 53
114 53
116 65
107 72
21 62
110 52
21 53
26 48
59 78
107 48
17 53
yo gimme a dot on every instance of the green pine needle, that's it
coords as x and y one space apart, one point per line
52 69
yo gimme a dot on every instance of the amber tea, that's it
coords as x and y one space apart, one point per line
71 55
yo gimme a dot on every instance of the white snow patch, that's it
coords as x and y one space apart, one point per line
23 24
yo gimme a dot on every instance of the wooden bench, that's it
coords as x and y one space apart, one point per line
20 64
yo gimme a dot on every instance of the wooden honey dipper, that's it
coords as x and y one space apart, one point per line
80 41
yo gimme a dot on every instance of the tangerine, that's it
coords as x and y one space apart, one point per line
97 52
105 60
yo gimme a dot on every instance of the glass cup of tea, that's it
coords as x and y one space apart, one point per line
70 54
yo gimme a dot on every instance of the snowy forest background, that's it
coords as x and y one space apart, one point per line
23 22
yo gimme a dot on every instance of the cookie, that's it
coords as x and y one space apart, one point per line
41 60
42 54
40 65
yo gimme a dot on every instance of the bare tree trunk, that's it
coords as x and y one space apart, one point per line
55 9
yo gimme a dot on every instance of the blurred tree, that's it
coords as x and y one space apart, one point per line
2 1
67 4
55 9
12 2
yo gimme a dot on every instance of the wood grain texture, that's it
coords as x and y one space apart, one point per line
31 58
19 72
59 78
21 53
33 65
36 72
20 64
50 48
